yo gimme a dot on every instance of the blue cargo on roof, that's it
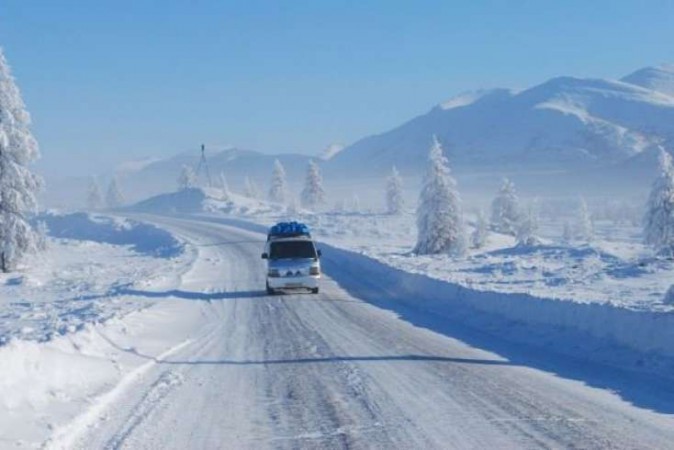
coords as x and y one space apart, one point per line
288 229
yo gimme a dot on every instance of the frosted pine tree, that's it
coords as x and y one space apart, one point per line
505 209
527 228
313 194
278 190
42 231
394 193
224 186
439 217
18 185
94 196
659 218
187 178
584 226
250 188
480 235
114 197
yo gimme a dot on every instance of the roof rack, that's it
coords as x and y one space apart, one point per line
288 229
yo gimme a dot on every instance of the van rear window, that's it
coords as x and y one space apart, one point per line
292 249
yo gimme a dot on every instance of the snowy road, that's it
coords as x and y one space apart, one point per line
331 371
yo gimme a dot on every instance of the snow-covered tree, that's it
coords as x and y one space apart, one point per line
355 203
42 231
584 226
659 218
480 235
313 194
187 178
527 228
505 214
394 193
94 196
224 186
278 191
250 188
18 185
440 224
114 197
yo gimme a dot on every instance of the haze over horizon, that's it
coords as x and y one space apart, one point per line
107 83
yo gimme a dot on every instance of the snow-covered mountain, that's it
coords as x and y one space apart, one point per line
563 123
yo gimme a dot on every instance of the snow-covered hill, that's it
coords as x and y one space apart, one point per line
563 123
161 175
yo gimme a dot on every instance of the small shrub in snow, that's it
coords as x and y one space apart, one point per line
18 185
187 178
114 197
480 235
439 217
567 233
394 193
313 194
584 226
278 190
659 218
94 196
505 211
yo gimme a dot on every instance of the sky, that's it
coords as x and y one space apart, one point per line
111 81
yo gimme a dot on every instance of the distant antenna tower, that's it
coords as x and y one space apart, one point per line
203 164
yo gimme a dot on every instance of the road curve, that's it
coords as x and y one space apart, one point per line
332 371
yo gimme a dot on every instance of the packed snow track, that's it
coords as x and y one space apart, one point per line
332 371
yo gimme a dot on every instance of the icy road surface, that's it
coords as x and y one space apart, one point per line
331 371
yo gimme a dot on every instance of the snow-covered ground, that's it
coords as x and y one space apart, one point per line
59 312
105 342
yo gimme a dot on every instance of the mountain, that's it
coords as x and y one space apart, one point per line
566 123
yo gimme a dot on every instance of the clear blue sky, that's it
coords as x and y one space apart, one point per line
107 81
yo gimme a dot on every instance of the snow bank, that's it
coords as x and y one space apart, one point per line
143 238
592 324
616 334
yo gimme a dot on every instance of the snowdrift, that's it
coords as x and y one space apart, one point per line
143 238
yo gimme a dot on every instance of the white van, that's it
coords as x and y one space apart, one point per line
292 263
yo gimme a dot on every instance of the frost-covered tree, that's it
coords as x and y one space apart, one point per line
527 228
250 188
42 231
584 226
224 186
394 193
659 218
505 214
355 203
278 191
94 196
18 185
480 235
114 197
313 194
440 224
187 178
